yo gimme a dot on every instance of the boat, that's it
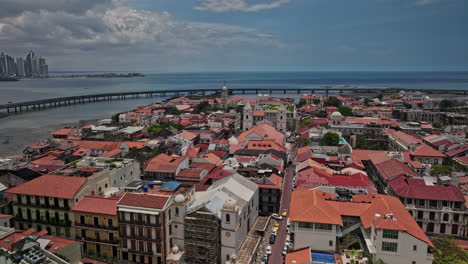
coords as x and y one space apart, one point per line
8 79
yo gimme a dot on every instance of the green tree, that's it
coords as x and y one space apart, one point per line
301 102
440 170
330 139
346 111
305 122
379 96
394 96
361 143
447 252
202 107
302 142
407 105
173 111
316 101
448 105
333 101
436 125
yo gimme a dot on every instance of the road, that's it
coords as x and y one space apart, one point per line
277 248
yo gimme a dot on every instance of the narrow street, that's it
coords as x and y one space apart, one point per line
277 248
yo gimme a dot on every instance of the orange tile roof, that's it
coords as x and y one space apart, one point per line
301 256
265 145
188 135
376 156
50 186
97 205
265 131
62 132
98 145
58 243
133 144
164 163
313 206
258 113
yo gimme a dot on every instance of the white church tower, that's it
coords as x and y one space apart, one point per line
248 117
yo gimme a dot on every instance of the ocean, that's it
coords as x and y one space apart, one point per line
17 130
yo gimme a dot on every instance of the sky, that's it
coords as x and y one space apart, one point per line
239 35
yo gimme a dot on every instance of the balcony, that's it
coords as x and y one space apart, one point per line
48 206
140 252
113 242
113 228
123 221
137 237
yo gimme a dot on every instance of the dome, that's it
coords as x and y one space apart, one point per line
179 198
230 205
336 115
175 250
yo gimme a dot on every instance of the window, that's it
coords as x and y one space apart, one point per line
319 226
330 243
415 248
305 225
455 217
228 218
109 222
177 211
393 234
389 246
446 217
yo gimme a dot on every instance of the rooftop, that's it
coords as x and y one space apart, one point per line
50 186
97 204
143 200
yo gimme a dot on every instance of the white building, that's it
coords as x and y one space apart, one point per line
219 219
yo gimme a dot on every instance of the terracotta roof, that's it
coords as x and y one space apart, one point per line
301 256
5 216
376 156
463 159
416 188
112 153
58 243
426 151
135 144
143 200
190 173
393 168
98 145
313 177
258 113
265 145
265 131
98 205
206 166
188 135
50 186
62 132
164 163
457 150
311 206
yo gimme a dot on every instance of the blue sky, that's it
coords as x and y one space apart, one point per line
245 35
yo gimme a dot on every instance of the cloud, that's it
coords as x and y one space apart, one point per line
237 5
115 33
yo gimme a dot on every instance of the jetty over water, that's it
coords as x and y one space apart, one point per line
81 99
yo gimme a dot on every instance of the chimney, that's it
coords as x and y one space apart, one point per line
377 216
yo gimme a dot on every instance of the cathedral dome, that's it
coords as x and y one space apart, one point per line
230 205
336 116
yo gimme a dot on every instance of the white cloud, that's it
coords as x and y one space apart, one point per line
108 34
238 5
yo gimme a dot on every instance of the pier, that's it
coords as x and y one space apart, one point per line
82 99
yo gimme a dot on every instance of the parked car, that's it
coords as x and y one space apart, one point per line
275 232
268 250
272 239
265 258
277 217
276 227
285 251
285 212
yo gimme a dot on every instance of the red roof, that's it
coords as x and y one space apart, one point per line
426 151
376 156
143 200
50 186
393 168
276 180
62 132
416 188
98 205
191 173
98 145
301 256
58 243
314 177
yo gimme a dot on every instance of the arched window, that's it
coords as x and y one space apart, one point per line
228 218
446 217
177 211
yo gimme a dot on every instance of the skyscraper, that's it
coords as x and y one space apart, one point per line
20 71
3 67
28 65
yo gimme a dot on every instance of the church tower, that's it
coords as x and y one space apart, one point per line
224 96
248 117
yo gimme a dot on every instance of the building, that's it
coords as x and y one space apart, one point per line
370 129
151 223
20 70
219 219
379 223
45 202
164 167
279 114
97 226
269 194
400 141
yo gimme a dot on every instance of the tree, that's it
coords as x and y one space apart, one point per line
173 111
447 105
305 122
361 143
302 142
436 125
301 102
346 111
316 101
380 97
440 170
447 251
202 107
330 139
407 105
333 101
394 96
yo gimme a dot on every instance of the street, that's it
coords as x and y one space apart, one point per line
277 248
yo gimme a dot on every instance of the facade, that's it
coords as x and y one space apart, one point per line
164 167
97 226
280 115
45 203
219 220
269 194
371 129
387 231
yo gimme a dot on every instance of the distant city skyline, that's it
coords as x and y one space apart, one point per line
30 66
239 35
